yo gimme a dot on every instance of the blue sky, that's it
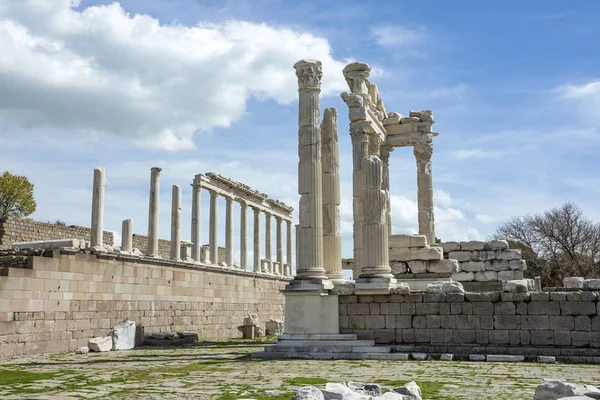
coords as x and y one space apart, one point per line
197 86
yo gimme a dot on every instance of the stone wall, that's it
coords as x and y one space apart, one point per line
14 230
57 302
541 323
485 261
164 247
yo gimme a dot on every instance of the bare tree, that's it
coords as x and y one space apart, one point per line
558 243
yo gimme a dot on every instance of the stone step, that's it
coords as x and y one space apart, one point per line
389 356
317 336
316 349
329 343
329 356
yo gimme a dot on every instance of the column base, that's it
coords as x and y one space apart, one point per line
374 285
314 286
311 313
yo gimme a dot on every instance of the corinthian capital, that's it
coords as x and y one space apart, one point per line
309 73
384 153
423 150
359 130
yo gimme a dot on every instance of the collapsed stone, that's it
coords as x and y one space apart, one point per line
100 344
274 327
411 390
551 390
123 335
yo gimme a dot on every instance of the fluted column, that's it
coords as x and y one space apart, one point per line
213 235
288 239
310 250
98 207
127 235
256 239
153 212
229 232
279 243
385 158
359 133
176 223
268 254
243 240
330 156
196 245
423 151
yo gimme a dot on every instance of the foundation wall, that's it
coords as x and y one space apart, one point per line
559 324
57 303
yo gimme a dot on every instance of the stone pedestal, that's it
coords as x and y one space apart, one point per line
311 313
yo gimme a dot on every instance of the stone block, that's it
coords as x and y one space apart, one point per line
476 357
472 245
580 339
421 335
539 296
516 297
497 265
399 267
510 275
577 308
374 322
443 266
492 297
504 358
518 265
467 308
374 309
418 241
487 276
427 253
544 308
408 336
407 308
575 282
463 336
562 338
504 309
509 254
562 323
535 322
460 255
482 336
399 254
403 321
413 298
507 322
419 322
483 308
558 296
542 338
486 321
100 344
384 336
449 246
435 297
448 321
123 336
417 267
583 323
427 308
356 321
546 359
454 298
399 241
446 357
358 309
433 321
472 266
463 276
591 284
496 245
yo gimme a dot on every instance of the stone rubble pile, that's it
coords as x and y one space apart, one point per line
551 390
358 391
250 328
577 282
485 261
122 338
17 258
274 327
169 339
412 254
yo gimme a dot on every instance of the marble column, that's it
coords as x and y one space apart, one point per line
330 159
243 240
359 134
229 232
256 239
423 151
310 241
127 235
153 212
98 207
279 242
213 235
374 205
288 238
176 223
268 254
385 158
196 245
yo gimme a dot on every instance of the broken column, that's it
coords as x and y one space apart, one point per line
310 251
243 240
229 231
127 235
176 223
153 212
256 239
423 150
213 235
98 207
196 245
330 156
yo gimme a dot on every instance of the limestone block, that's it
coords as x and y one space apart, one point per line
48 244
486 276
124 336
510 276
443 266
472 266
399 267
546 359
411 390
573 282
445 287
417 267
476 357
504 358
427 253
460 256
472 245
514 286
399 254
308 393
449 246
509 254
463 276
399 241
497 265
496 245
367 389
100 344
550 390
418 241
517 265
591 284
274 327
82 350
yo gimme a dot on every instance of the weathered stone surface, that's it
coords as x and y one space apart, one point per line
411 390
274 327
510 275
82 350
417 267
100 344
308 393
472 266
460 255
551 390
445 287
251 319
573 282
546 359
370 389
516 286
472 245
486 276
446 357
419 356
443 266
477 357
427 253
123 336
505 358
449 246
398 267
591 284
496 245
463 276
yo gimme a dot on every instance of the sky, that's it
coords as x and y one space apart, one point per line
194 86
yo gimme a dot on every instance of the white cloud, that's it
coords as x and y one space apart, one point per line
442 198
586 97
478 153
397 36
102 70
488 219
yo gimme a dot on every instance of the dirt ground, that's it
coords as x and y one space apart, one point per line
224 370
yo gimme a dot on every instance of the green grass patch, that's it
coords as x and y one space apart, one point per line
20 376
429 390
303 381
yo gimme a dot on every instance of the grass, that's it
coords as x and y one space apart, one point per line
20 376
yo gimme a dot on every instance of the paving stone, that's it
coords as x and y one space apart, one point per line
504 358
